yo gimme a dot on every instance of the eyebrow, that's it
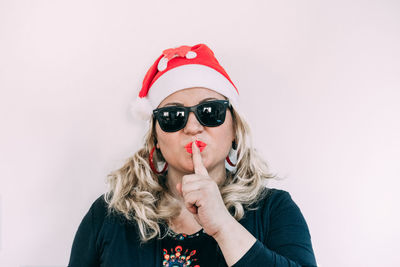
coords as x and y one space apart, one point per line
181 105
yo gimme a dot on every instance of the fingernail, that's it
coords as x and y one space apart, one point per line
194 145
194 141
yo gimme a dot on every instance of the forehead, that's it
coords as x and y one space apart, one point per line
191 96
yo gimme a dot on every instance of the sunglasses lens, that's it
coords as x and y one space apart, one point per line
211 113
171 119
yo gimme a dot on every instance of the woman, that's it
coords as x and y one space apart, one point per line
174 203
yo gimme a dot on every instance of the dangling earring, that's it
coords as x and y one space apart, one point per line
151 162
228 160
234 145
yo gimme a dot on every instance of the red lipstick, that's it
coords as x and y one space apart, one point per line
201 145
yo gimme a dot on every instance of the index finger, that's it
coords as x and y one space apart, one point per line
198 165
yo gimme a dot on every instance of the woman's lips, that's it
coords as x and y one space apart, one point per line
200 145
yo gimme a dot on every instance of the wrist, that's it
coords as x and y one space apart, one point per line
228 238
226 230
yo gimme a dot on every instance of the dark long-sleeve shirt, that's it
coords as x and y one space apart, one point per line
283 238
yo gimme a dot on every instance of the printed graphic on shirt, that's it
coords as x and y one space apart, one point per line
177 258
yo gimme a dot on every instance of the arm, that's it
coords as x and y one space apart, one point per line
287 243
234 241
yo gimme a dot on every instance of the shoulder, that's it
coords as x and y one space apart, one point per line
277 204
100 213
99 207
273 197
275 210
282 208
96 214
278 196
279 224
90 227
100 220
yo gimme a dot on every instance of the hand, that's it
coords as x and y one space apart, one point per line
202 197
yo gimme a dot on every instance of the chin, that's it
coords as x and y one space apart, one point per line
187 166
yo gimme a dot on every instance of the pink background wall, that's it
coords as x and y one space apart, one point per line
320 81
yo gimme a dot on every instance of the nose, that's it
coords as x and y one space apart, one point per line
193 126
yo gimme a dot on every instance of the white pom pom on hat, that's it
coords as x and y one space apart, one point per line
141 109
180 68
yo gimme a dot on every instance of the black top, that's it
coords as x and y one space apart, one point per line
281 231
196 250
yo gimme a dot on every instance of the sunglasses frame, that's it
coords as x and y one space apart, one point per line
157 112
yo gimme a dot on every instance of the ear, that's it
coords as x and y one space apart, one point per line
234 144
154 139
157 146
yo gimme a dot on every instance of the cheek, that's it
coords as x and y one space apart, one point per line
223 137
229 132
162 139
167 142
226 145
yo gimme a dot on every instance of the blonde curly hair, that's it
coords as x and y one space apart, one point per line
141 196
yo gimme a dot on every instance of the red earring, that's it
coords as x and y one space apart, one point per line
234 147
151 162
229 161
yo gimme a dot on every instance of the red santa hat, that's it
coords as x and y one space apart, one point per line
180 68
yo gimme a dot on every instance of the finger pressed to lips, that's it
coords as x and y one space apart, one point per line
198 165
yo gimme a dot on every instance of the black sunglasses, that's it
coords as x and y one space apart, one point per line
209 114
